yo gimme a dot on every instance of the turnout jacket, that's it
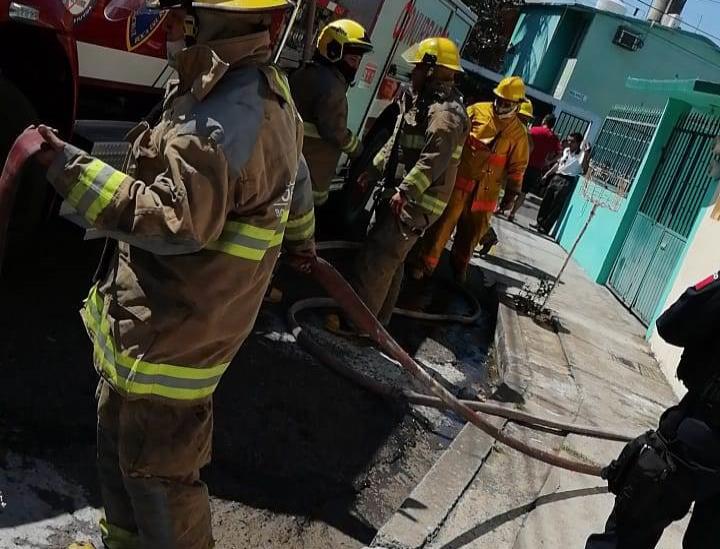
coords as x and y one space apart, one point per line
200 212
496 153
319 90
421 157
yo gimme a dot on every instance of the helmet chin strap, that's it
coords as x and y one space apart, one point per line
508 114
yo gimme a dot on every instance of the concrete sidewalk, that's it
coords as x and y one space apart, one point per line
597 369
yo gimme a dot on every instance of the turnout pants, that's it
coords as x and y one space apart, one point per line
380 265
470 227
553 202
149 458
656 489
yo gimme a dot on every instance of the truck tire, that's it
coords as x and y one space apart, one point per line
16 114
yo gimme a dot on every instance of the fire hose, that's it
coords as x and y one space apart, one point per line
30 142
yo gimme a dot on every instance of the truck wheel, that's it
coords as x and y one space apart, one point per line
16 114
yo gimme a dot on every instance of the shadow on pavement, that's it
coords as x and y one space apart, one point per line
491 524
290 436
518 267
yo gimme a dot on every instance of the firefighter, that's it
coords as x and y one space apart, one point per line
490 238
418 164
658 476
526 114
495 154
199 214
320 89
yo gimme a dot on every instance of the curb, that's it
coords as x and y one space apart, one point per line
510 349
425 510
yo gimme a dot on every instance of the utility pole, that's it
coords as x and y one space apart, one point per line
310 9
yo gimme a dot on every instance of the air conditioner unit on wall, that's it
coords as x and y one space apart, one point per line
625 38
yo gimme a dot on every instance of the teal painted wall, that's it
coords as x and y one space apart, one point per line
543 35
603 67
571 23
532 37
606 233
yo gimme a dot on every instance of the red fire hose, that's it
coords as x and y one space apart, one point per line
360 315
30 142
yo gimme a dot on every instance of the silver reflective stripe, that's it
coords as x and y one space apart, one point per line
132 376
94 189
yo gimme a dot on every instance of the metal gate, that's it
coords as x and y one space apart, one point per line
666 216
568 123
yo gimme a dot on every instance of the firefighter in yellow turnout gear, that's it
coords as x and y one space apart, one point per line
199 213
320 89
495 155
427 143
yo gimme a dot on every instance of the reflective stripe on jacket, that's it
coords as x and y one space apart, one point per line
430 145
199 213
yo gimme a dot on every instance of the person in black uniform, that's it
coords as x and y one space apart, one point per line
659 475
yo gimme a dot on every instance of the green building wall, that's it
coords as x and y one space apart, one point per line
601 244
544 35
603 67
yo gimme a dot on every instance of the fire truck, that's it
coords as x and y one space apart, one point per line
65 64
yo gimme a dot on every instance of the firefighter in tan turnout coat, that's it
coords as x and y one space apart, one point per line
320 89
200 215
420 158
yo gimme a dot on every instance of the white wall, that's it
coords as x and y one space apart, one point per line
702 260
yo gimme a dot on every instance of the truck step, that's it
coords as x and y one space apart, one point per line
104 139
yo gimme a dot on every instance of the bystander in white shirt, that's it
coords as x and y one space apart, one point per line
571 164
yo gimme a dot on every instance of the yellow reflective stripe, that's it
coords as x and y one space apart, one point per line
418 179
237 227
351 146
458 152
299 221
432 204
320 197
94 189
311 130
301 228
106 196
281 80
87 176
139 377
301 234
278 238
238 250
379 161
114 537
248 241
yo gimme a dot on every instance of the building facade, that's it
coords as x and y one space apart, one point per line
581 56
659 235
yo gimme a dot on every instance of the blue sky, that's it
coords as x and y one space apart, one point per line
704 14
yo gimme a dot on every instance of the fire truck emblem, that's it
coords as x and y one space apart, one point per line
141 25
79 9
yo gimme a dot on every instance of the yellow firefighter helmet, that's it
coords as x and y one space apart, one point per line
526 109
120 9
342 37
434 51
511 88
